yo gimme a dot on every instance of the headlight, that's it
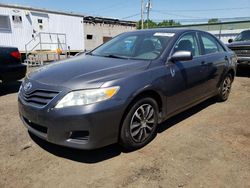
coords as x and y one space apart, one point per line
84 97
20 88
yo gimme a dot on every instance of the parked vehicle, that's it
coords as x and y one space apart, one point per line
120 91
241 46
11 68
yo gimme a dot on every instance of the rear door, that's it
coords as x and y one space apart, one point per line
215 60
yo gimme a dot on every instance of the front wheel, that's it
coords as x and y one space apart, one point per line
139 125
225 88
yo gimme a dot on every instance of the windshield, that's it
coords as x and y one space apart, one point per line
143 46
245 35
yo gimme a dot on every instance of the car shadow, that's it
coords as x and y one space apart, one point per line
243 71
108 152
184 115
83 156
9 88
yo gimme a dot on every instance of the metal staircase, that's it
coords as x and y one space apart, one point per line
44 48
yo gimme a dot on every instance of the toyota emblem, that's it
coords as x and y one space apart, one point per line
27 87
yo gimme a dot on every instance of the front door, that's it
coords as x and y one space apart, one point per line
40 23
185 78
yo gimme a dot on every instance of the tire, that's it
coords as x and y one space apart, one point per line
139 128
225 88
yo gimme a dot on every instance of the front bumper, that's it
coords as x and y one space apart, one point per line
243 60
98 123
10 73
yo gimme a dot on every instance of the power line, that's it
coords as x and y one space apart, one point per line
205 10
131 16
179 15
110 7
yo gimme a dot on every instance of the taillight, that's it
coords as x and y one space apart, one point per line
16 54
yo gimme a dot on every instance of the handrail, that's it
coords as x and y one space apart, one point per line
32 39
52 33
42 41
34 47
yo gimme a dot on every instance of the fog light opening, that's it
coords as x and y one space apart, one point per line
79 135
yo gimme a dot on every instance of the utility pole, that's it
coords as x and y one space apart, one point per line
142 14
148 9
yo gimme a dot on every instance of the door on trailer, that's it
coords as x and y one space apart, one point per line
40 23
106 39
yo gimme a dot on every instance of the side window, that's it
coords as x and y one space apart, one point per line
210 44
188 43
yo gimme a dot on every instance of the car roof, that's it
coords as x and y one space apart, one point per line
168 30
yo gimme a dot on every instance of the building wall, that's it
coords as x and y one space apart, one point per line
21 33
100 32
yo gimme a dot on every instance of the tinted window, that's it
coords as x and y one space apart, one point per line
188 43
245 35
144 46
210 44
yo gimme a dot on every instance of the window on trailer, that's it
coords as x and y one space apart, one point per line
89 37
5 23
106 39
17 19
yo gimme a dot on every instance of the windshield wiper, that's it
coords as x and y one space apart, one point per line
115 56
88 53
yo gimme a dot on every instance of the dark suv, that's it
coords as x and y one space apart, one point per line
120 91
241 46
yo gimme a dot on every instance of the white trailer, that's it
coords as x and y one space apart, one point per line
40 29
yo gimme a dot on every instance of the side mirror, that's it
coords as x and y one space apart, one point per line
230 40
181 56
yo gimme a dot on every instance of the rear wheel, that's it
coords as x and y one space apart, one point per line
139 125
225 88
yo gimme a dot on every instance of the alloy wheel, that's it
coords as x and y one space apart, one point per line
226 87
142 123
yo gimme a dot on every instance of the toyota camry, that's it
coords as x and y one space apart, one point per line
121 91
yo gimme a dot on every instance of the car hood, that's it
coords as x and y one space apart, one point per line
238 44
85 72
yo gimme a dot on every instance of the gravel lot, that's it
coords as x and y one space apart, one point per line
206 146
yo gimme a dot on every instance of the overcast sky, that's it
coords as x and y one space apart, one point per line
161 9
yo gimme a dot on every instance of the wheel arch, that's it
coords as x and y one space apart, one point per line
143 94
232 73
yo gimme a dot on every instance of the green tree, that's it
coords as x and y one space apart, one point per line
152 24
167 23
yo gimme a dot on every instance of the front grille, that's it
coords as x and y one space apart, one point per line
36 126
242 53
38 98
